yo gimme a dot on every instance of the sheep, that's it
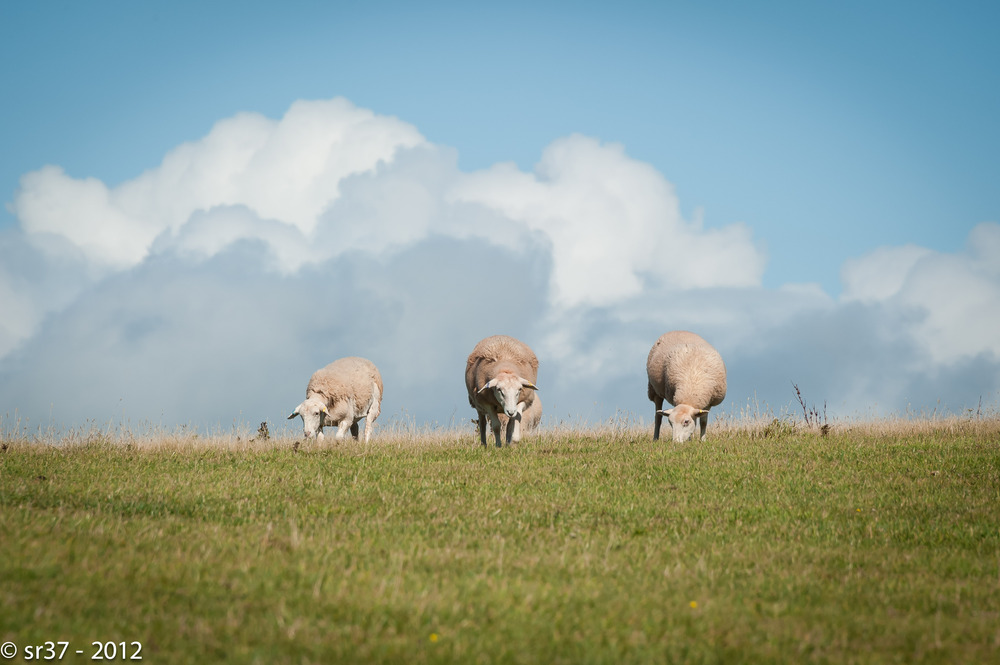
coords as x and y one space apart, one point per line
689 373
500 376
341 394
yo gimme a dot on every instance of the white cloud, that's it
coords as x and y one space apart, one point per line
614 225
366 182
35 281
83 212
20 316
879 274
957 295
288 170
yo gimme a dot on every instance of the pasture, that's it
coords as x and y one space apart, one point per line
874 543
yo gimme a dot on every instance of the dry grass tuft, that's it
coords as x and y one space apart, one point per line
751 423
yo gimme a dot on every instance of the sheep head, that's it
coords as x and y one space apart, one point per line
683 419
506 387
313 412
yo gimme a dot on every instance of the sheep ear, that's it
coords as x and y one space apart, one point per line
294 413
665 413
323 409
528 384
701 412
489 384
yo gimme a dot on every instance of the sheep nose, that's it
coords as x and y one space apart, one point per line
510 412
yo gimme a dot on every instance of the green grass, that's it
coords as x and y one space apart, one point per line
870 545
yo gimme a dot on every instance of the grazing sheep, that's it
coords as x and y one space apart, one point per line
689 373
500 376
341 394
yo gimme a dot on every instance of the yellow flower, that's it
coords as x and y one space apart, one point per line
693 604
433 637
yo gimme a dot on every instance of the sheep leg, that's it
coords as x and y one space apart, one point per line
658 419
374 409
482 428
495 426
355 431
703 421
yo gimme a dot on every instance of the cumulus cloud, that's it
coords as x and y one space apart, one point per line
614 225
288 170
34 283
879 274
206 290
956 295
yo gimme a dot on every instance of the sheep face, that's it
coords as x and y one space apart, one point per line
313 413
506 387
683 420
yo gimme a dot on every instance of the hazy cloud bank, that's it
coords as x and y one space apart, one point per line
206 290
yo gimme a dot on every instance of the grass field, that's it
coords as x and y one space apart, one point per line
878 543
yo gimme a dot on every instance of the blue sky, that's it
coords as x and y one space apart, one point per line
806 120
829 131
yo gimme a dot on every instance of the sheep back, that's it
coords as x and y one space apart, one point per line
685 369
347 379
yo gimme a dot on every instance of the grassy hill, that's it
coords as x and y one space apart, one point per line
875 543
